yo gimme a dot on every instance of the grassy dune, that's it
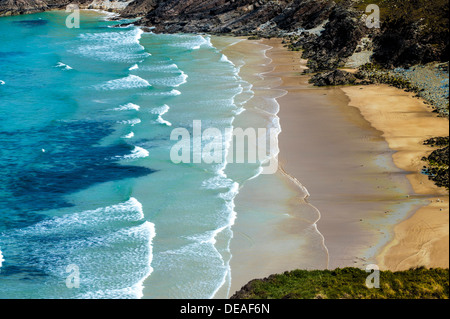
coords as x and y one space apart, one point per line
349 283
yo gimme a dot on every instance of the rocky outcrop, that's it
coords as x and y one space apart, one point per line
337 42
329 32
213 16
139 8
438 161
336 77
109 5
403 45
240 17
15 7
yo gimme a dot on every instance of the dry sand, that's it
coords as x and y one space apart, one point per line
331 145
344 163
275 229
406 122
352 147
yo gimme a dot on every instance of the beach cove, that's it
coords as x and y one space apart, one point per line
343 195
369 206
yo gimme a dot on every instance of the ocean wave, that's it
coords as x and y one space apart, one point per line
129 135
132 122
126 83
2 82
192 42
224 58
111 247
127 107
161 67
112 46
167 93
63 66
138 152
133 67
174 81
1 259
160 111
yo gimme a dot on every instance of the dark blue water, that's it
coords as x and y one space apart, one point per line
87 182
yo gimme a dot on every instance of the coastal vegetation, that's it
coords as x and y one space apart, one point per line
349 283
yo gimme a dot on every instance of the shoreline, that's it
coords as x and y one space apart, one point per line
422 239
348 169
398 242
275 228
336 163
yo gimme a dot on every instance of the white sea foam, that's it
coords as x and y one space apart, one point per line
108 15
2 82
1 259
121 46
169 93
192 42
138 152
161 111
63 66
135 291
134 67
113 253
173 81
224 58
126 83
127 107
132 122
162 67
129 135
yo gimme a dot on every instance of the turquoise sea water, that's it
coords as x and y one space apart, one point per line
86 178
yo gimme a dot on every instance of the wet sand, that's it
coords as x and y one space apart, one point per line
406 122
344 163
275 228
339 166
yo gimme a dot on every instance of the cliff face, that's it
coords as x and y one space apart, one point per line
17 7
140 8
267 18
14 7
409 34
241 17
231 16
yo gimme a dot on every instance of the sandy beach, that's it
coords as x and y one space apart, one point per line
275 229
406 122
353 152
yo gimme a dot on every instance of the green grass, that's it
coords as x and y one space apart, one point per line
349 283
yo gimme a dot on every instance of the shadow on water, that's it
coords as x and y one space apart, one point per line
43 166
31 23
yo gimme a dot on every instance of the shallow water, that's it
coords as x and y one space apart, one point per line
88 183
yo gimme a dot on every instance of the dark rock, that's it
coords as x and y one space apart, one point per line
336 77
337 42
15 7
241 17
